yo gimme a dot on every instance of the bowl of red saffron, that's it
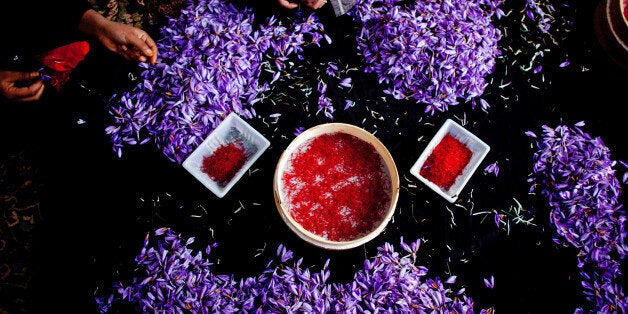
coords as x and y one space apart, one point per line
449 160
226 154
336 186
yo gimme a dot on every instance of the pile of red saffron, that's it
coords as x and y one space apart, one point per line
224 162
337 187
446 162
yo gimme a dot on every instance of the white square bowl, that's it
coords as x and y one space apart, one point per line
478 148
231 129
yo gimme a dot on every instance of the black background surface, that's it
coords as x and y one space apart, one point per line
98 207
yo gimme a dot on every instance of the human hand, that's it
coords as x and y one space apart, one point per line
288 4
312 4
14 86
131 42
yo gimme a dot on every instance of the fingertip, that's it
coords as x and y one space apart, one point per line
287 4
40 90
28 76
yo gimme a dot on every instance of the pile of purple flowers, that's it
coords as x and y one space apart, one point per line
575 173
434 52
211 58
175 279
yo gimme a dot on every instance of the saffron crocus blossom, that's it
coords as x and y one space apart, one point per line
211 58
492 168
489 282
624 179
574 171
298 130
434 52
541 12
172 278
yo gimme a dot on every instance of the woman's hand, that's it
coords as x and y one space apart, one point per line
129 41
288 4
21 86
312 4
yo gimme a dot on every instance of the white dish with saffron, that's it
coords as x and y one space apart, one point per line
226 154
449 160
336 186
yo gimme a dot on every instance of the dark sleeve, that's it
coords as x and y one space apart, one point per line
28 28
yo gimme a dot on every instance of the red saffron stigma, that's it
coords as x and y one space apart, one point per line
446 162
337 186
224 162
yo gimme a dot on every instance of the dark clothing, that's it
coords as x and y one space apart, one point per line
63 134
77 222
28 28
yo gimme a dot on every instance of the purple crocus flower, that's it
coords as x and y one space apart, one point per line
492 168
172 278
298 130
210 64
489 282
434 52
574 172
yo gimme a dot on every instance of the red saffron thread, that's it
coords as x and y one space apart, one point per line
446 162
224 162
337 186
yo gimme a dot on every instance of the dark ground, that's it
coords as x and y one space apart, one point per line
74 215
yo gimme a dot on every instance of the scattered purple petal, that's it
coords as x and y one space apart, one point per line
349 103
346 82
490 282
298 131
492 169
451 279
485 104
538 69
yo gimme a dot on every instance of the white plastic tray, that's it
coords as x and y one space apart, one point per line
478 148
232 128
